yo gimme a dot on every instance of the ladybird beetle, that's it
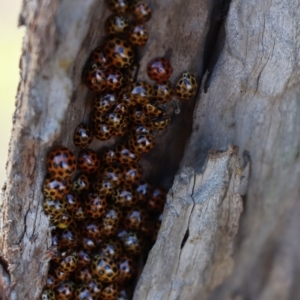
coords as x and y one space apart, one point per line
131 174
81 184
141 11
159 69
55 240
109 230
61 162
157 200
135 218
69 237
112 216
94 77
62 221
97 56
116 120
186 86
56 257
124 98
73 202
103 103
79 214
140 92
88 244
82 292
133 243
124 196
95 286
95 206
69 263
140 129
138 34
143 191
83 258
55 207
83 274
65 290
114 79
130 74
141 143
104 268
98 118
48 294
121 108
56 187
91 228
83 136
110 248
104 187
119 53
61 276
52 281
121 131
125 294
121 233
88 161
127 269
118 6
101 131
124 155
153 110
110 292
137 115
112 174
108 156
163 92
60 256
116 24
161 123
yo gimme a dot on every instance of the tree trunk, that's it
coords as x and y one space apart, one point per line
246 56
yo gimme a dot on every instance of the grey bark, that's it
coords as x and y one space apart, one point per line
193 252
252 101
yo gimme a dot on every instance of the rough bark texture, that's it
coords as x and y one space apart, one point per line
250 98
193 252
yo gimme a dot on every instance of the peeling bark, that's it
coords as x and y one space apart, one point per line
193 252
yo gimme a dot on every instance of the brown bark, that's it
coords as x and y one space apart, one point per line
252 101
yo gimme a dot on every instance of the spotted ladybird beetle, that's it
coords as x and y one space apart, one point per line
83 136
104 268
116 24
141 11
163 92
118 6
61 162
118 52
138 34
159 69
88 161
110 292
186 86
94 77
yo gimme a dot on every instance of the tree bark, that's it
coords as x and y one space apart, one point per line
248 65
193 252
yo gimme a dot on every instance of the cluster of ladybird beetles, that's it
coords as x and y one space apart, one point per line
107 218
